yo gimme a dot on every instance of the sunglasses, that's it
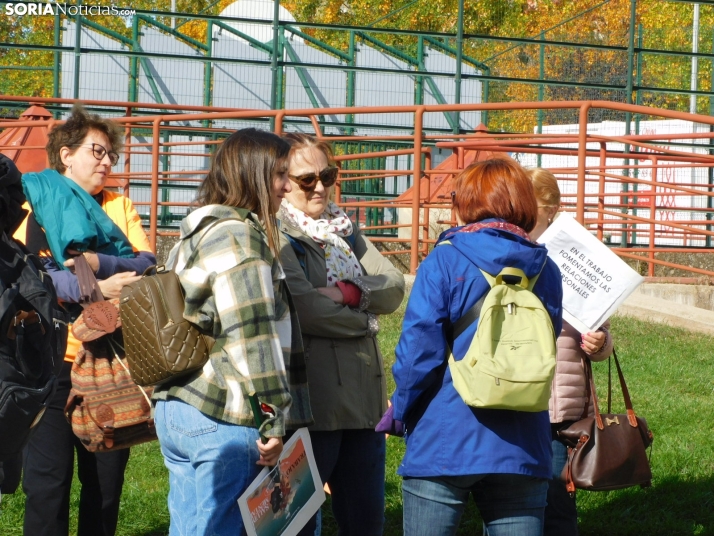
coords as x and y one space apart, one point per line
99 152
308 181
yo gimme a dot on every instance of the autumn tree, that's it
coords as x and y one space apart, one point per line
662 25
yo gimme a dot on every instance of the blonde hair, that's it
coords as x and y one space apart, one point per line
545 186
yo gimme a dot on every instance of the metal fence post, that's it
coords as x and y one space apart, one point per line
582 155
541 88
134 61
57 58
710 170
459 57
351 83
628 115
274 61
208 67
416 194
77 49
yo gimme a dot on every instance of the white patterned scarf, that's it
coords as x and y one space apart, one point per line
328 232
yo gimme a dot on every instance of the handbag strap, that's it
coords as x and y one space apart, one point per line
591 392
625 393
89 291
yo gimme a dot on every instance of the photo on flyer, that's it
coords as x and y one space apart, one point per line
282 499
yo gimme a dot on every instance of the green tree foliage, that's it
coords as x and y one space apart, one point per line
664 25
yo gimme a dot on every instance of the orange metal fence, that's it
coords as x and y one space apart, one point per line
614 184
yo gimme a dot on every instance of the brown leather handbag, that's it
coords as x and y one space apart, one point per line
607 451
160 343
106 409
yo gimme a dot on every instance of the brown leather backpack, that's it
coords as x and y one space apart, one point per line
160 344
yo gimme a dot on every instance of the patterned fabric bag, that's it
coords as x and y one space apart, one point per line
106 409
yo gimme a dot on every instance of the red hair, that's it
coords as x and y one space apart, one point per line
496 188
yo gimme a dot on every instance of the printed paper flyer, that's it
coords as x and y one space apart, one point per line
595 280
283 498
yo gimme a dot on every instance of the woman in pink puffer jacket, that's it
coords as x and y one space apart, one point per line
568 396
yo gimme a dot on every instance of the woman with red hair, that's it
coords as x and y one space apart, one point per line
501 457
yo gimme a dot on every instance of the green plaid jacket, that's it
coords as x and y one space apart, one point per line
235 289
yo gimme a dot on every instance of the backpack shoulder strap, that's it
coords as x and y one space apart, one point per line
468 318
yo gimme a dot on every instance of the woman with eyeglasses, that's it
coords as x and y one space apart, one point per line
73 214
340 284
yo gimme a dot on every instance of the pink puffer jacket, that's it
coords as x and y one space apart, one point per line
567 398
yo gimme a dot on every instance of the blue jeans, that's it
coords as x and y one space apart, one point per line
210 464
352 463
510 505
561 515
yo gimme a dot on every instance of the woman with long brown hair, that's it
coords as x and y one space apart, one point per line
227 261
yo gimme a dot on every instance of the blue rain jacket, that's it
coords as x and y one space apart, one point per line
445 437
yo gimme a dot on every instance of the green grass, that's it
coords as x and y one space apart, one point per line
670 373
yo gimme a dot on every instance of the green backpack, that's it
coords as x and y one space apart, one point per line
511 360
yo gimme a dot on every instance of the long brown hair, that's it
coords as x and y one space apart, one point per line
241 175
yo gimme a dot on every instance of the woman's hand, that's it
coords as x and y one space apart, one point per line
92 260
270 451
593 341
111 287
334 293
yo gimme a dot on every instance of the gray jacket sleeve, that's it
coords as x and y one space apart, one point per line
382 285
320 316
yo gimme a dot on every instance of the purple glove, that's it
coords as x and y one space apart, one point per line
389 425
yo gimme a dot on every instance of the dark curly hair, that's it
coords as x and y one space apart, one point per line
75 129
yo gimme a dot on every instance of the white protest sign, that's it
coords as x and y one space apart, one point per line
595 280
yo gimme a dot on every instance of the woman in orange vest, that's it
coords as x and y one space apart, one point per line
72 212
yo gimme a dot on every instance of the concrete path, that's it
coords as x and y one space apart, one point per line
668 311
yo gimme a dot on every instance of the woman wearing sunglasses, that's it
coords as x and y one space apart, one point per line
340 283
71 213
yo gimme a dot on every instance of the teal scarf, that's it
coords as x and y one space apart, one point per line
71 218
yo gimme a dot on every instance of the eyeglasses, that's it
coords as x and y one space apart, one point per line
308 181
99 151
